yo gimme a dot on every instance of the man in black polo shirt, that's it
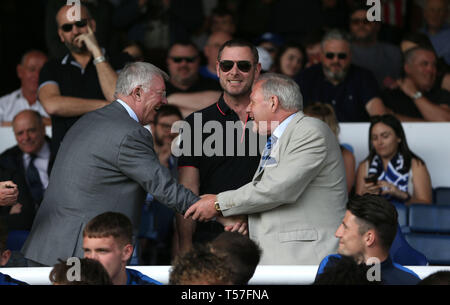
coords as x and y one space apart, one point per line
80 82
237 67
351 90
418 96
186 88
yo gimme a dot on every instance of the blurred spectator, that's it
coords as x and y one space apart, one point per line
221 20
366 233
157 221
384 60
211 50
393 165
84 80
92 272
313 47
4 257
240 253
418 96
436 27
435 13
135 50
26 96
199 266
289 60
344 270
264 59
186 88
108 239
351 90
29 163
271 42
438 278
100 11
325 113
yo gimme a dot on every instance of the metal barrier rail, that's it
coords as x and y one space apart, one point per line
264 275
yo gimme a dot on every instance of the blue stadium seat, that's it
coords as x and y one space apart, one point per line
430 232
442 195
402 211
16 239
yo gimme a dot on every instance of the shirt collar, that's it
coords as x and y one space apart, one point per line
130 111
278 132
224 109
43 153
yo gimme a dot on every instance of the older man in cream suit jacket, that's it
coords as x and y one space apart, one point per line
298 194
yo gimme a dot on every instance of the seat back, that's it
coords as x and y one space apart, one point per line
16 239
442 195
429 218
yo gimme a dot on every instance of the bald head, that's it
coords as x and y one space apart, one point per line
28 71
29 131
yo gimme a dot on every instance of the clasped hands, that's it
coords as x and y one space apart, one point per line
204 210
8 193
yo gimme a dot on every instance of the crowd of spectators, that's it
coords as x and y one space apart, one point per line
348 68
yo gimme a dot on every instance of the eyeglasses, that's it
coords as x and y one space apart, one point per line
243 65
331 55
357 21
67 27
178 59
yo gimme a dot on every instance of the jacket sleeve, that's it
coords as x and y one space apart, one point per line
137 159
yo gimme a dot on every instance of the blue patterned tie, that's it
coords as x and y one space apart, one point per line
34 181
266 153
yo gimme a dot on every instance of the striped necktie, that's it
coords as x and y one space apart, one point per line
267 149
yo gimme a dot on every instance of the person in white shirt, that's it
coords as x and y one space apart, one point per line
26 96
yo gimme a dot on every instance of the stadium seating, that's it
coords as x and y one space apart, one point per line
430 232
441 196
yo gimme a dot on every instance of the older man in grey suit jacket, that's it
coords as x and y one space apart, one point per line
106 163
297 197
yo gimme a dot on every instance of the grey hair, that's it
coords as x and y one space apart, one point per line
285 88
27 53
335 34
410 55
137 74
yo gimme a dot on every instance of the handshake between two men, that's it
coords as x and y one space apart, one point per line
207 209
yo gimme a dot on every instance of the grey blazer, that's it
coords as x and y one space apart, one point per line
296 203
106 162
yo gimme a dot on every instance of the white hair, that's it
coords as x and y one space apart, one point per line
285 88
137 74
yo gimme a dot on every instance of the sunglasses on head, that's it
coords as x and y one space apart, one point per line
67 27
331 55
243 65
178 59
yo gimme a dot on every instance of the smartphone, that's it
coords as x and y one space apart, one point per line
371 179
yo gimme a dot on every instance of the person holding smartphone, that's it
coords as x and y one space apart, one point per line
392 169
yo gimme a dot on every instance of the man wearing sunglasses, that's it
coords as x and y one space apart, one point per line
81 81
237 68
351 90
186 88
383 59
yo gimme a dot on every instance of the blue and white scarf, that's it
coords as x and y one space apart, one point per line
395 174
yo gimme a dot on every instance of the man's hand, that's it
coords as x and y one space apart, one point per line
203 210
8 193
234 223
407 86
90 42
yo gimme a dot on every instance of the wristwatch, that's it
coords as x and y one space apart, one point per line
99 59
217 207
417 95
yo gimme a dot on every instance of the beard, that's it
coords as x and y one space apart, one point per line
75 49
338 76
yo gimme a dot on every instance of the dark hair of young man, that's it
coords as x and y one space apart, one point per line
109 224
375 212
241 254
92 272
239 43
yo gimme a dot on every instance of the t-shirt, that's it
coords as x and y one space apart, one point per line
135 277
